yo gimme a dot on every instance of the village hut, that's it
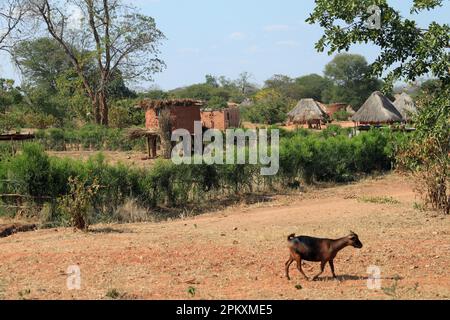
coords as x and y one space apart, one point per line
405 105
222 119
307 111
377 110
333 108
162 117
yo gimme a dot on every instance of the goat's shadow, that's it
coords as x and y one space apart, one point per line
348 277
344 277
108 230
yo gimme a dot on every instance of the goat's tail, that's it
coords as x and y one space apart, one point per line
290 237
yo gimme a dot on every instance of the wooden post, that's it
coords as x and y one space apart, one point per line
153 146
148 147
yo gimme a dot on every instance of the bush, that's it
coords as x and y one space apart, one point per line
78 202
304 157
426 155
89 137
337 158
123 114
341 115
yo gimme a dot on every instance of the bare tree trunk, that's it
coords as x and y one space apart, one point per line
95 108
104 108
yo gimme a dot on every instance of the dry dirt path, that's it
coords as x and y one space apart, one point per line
239 253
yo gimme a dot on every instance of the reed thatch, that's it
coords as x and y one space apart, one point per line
158 104
405 105
377 109
137 133
306 110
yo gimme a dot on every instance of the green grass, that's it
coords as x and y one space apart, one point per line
113 294
191 291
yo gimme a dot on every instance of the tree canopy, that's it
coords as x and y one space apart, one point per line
407 50
351 78
114 35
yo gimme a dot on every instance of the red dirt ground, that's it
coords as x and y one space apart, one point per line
239 253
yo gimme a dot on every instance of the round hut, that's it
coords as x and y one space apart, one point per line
307 111
377 110
405 105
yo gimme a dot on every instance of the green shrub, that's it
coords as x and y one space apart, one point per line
341 115
304 157
90 137
77 203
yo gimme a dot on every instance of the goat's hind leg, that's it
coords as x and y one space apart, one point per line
287 265
298 259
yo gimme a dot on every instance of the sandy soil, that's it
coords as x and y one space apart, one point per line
239 253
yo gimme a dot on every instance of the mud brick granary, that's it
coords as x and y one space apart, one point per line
221 119
162 117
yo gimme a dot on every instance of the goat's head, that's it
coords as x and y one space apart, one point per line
354 240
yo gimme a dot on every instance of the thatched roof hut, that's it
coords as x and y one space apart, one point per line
405 105
306 110
377 109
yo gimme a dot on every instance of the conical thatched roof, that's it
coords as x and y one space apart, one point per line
377 109
306 109
405 105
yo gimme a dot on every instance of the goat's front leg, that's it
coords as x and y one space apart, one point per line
288 264
322 267
331 262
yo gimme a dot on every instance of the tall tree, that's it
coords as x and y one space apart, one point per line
312 86
352 80
12 13
309 86
42 61
120 40
243 82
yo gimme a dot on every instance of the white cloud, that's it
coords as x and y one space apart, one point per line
288 43
237 36
277 27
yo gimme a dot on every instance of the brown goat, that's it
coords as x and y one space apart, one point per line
317 250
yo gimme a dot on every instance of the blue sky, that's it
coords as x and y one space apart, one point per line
227 37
